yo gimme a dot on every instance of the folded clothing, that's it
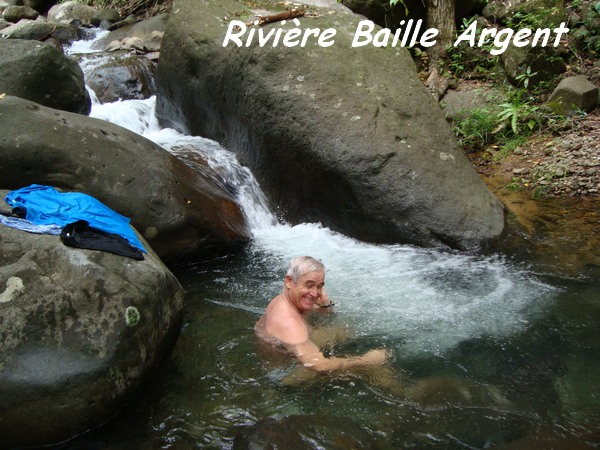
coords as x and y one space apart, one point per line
79 234
44 205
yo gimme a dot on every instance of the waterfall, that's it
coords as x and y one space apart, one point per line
138 116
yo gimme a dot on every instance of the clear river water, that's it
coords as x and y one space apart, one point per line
489 350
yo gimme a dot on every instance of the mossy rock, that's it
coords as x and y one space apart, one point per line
543 13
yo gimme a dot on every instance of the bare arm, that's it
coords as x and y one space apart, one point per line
312 358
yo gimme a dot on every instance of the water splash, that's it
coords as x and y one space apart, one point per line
426 299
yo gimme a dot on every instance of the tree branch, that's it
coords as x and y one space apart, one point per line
285 15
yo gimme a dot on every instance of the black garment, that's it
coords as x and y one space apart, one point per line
81 235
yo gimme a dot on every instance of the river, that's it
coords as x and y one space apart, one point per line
494 350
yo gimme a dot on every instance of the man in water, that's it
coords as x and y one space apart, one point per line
284 323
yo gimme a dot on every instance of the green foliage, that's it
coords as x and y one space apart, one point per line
132 316
586 32
505 125
518 111
525 77
541 192
507 145
476 131
516 184
520 20
510 112
516 115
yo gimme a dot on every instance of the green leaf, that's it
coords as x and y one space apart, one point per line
395 2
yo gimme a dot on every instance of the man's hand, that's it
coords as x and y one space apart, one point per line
323 301
376 357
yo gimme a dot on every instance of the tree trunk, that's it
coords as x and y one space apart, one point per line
440 15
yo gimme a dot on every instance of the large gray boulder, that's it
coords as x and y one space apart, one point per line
458 105
72 10
81 332
14 13
39 72
122 76
348 137
41 30
529 66
180 211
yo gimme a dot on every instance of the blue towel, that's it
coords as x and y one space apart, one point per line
44 205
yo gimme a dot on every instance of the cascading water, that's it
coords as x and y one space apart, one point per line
468 317
436 298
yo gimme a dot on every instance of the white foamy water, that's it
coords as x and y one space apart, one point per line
84 46
428 300
135 115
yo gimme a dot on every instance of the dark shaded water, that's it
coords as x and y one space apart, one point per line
487 354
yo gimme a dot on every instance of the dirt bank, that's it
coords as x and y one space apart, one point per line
550 166
551 190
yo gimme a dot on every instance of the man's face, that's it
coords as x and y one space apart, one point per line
306 291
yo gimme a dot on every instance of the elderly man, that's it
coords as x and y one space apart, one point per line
284 323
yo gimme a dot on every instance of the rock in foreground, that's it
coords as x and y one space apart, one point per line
178 210
80 333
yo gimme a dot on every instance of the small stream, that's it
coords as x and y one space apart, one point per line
489 351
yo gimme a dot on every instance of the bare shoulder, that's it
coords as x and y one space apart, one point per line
284 324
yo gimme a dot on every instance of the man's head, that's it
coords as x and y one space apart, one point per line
304 282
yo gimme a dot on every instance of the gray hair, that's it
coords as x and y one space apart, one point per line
302 265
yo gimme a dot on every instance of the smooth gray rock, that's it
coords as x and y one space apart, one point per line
457 105
40 30
345 136
72 10
180 211
14 13
573 94
39 72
